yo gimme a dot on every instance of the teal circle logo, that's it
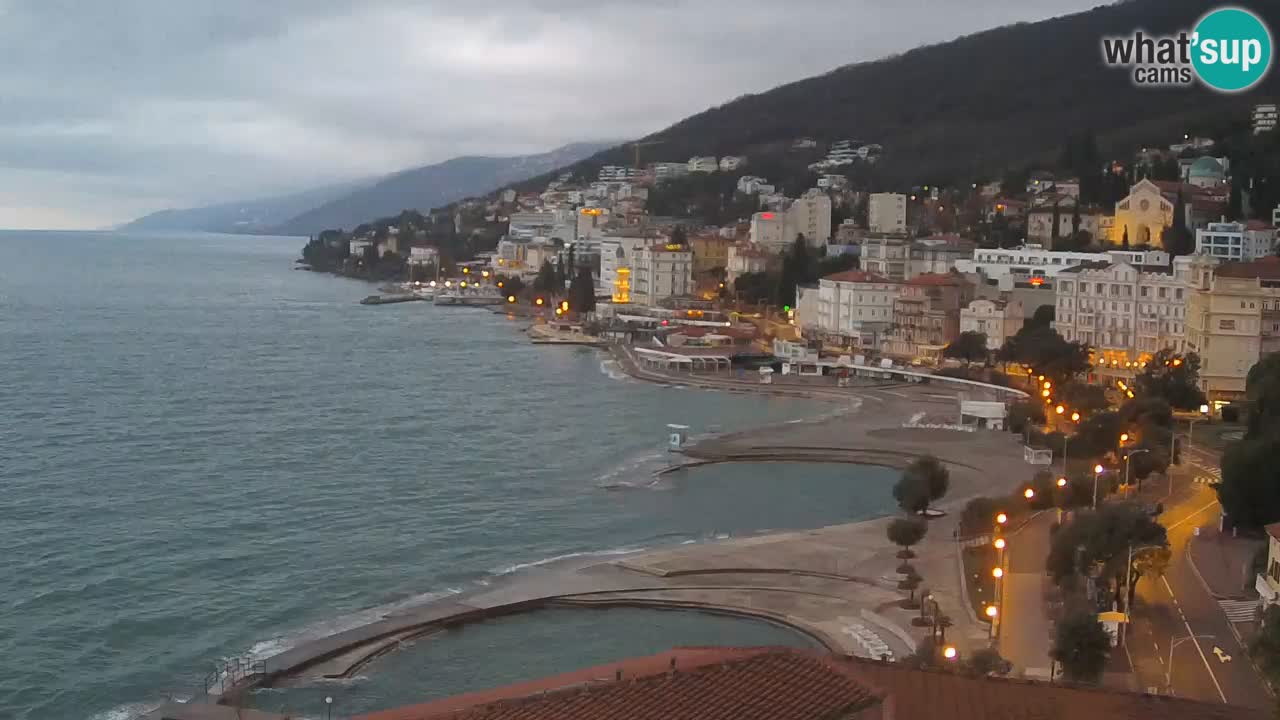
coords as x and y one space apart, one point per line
1231 49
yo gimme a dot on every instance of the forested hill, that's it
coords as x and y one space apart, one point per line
973 106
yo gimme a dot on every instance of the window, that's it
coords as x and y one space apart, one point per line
1177 294
1144 292
1226 324
1161 293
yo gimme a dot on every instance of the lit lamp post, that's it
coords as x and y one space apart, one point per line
328 707
992 614
1128 455
1168 672
1097 473
1060 484
949 652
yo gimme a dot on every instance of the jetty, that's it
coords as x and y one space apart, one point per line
390 298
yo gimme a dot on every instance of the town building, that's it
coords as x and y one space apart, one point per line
661 271
359 248
1264 117
669 170
886 255
1233 319
618 249
1126 313
1275 217
999 320
887 213
703 164
1206 172
1267 582
508 196
853 309
423 255
779 683
729 163
1236 242
1040 181
1040 224
1024 263
617 173
752 185
745 258
1142 216
768 230
809 215
710 252
937 254
926 316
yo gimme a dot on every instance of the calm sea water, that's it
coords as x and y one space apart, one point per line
205 453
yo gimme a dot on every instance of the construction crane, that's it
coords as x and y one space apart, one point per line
638 145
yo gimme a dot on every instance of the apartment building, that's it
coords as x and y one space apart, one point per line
1030 261
1233 319
853 309
887 213
926 316
1236 242
1125 312
886 255
997 319
1264 117
661 271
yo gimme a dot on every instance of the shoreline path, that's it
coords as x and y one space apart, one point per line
837 584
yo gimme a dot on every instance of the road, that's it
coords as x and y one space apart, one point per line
1179 606
1025 639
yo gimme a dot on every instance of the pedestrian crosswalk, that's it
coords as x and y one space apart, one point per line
1240 610
1208 476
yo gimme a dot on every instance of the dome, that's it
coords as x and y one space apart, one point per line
1205 167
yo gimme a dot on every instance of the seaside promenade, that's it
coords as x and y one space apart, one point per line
837 584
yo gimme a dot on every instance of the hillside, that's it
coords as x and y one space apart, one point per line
246 216
970 107
429 187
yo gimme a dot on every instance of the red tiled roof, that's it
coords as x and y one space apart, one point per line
936 279
1258 225
790 684
1267 268
859 276
706 684
1274 530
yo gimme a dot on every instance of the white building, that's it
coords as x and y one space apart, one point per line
359 248
703 164
1236 242
669 170
853 309
1028 261
997 319
886 255
661 271
618 250
810 216
423 255
751 185
887 213
743 259
1264 117
617 173
767 230
729 163
1126 313
508 196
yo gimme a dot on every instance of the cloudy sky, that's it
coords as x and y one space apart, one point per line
112 109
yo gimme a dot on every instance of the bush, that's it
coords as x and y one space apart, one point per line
1230 413
979 515
1023 413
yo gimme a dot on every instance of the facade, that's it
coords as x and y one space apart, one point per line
703 164
743 259
710 251
1233 319
886 255
669 170
768 230
729 163
617 253
997 319
1143 215
887 213
661 271
937 254
1236 242
1040 225
1125 312
1031 261
1206 172
1264 117
1267 582
926 316
853 309
810 216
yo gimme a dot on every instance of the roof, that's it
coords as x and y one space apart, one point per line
857 276
1088 265
1259 225
1274 530
1267 268
792 684
683 684
936 279
1205 167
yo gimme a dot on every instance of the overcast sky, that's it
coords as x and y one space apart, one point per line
112 109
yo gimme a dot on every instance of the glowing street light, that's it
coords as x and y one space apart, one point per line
997 573
1028 493
949 652
484 273
1000 543
1075 417
1044 393
511 298
991 611
1124 437
1047 385
1097 473
538 302
1002 519
1062 482
1060 409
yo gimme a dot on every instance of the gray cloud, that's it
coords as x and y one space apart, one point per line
110 110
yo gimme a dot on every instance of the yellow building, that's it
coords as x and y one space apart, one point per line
710 251
1144 215
1233 319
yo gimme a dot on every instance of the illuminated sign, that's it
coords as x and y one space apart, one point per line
766 216
592 211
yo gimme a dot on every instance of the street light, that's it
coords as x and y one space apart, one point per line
1000 543
949 652
1002 519
991 613
1168 671
997 573
328 707
1059 409
1128 455
1028 493
1075 417
1062 482
1097 473
1124 438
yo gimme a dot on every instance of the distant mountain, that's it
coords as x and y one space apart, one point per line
971 107
248 216
432 186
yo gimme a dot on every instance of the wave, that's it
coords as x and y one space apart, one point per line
613 369
131 711
568 556
633 466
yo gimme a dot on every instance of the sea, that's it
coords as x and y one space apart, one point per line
208 453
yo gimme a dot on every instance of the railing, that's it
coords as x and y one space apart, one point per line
232 673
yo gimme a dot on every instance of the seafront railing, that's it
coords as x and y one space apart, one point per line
232 673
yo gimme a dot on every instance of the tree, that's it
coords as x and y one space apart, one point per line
1102 539
1173 377
969 347
936 476
905 532
546 279
1042 317
1081 645
582 291
1124 240
984 662
1265 647
1177 239
912 492
1250 487
1084 398
679 236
